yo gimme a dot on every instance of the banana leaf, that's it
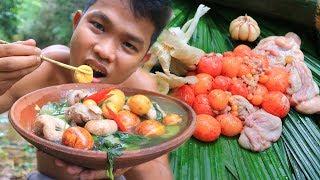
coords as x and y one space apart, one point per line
296 155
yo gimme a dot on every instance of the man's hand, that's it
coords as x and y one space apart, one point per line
17 60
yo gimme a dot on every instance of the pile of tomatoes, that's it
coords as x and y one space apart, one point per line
240 72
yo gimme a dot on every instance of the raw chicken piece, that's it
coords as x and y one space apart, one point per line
310 106
260 130
245 108
278 48
308 88
80 113
75 96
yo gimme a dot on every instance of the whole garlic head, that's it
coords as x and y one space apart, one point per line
244 28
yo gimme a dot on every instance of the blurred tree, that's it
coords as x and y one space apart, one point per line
8 18
48 21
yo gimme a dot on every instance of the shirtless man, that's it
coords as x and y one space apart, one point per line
112 36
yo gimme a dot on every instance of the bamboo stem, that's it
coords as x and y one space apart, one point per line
55 62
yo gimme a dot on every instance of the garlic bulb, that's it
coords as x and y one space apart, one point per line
244 28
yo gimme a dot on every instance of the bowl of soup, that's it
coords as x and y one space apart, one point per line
143 125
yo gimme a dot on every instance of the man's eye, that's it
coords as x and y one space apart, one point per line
98 26
130 46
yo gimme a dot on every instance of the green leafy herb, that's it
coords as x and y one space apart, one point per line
158 111
54 109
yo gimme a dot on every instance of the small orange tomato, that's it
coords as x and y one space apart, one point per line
150 128
89 102
139 104
237 87
230 66
230 125
221 82
207 128
244 70
204 84
242 50
263 79
172 119
77 137
201 105
218 99
128 119
278 80
184 93
105 111
258 95
276 103
210 64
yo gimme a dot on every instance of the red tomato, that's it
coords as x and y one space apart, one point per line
210 64
201 105
204 84
230 66
221 82
278 80
238 88
242 50
207 128
230 125
184 93
276 103
218 99
258 95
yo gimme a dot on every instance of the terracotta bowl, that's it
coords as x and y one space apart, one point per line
22 116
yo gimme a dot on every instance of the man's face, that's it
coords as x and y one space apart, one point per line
111 40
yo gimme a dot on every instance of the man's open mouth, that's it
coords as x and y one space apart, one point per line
99 71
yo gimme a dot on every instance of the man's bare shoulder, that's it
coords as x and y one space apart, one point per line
141 80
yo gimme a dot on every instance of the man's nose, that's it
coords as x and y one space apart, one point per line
106 50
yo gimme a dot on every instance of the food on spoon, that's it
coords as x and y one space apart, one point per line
230 125
204 84
276 103
50 127
172 119
128 119
77 137
210 64
201 105
244 28
218 99
260 130
139 104
150 128
81 77
184 93
208 129
101 127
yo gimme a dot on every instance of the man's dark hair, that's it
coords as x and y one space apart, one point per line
157 11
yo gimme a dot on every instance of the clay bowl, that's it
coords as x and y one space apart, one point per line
22 116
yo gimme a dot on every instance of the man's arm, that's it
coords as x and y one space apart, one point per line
45 75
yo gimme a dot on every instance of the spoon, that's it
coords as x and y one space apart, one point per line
82 74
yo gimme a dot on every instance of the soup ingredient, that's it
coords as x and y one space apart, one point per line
184 93
310 106
100 96
114 116
241 107
75 96
80 113
244 28
50 127
89 102
278 80
81 77
139 104
207 128
230 66
172 119
56 109
105 110
218 99
210 64
201 105
150 128
221 82
128 119
156 112
77 137
116 97
204 84
260 130
230 125
276 103
101 127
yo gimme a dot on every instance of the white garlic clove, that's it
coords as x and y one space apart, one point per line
244 28
244 32
252 33
235 33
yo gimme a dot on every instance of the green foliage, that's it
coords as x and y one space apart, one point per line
8 18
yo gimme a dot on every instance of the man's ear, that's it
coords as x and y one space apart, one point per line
76 18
